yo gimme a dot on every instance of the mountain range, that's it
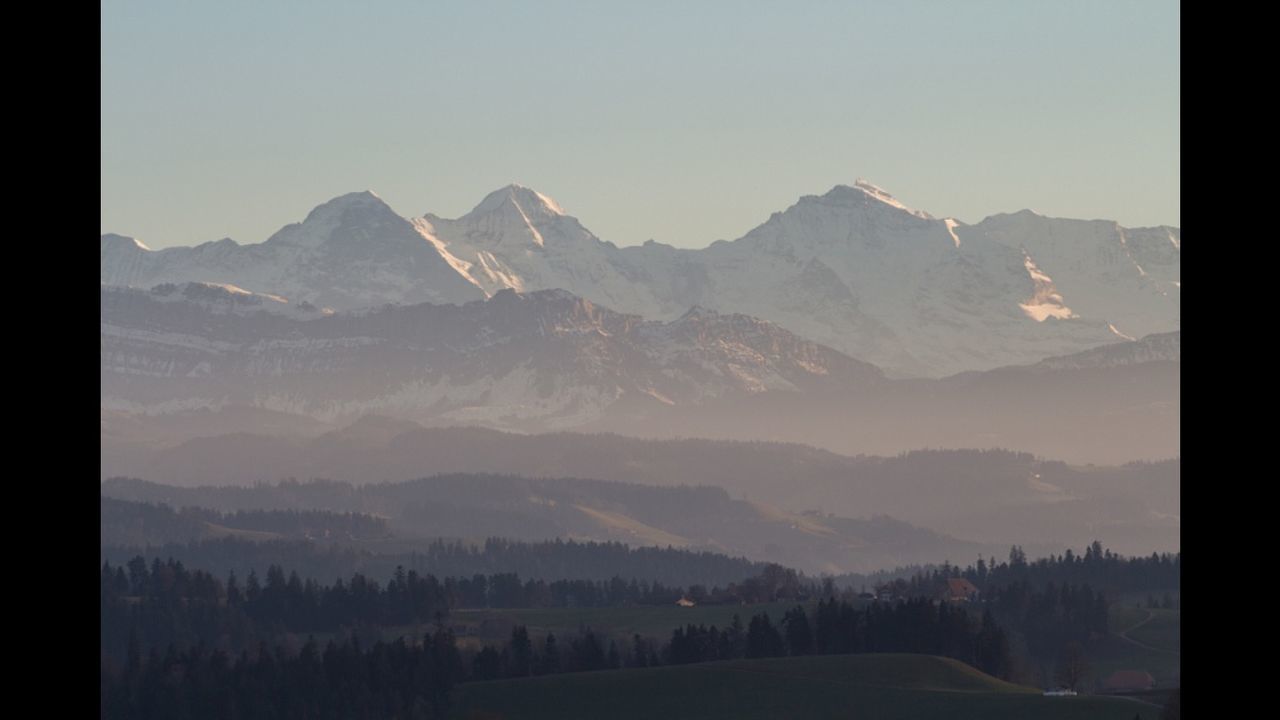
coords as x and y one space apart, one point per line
546 356
549 360
854 269
989 496
839 337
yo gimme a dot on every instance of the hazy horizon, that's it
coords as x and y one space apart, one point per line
683 125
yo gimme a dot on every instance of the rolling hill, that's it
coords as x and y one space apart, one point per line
888 687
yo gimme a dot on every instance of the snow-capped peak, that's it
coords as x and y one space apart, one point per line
853 268
112 239
361 199
343 218
528 201
364 202
880 194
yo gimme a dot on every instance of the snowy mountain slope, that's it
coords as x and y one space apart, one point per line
860 271
1129 277
349 252
522 240
547 358
854 269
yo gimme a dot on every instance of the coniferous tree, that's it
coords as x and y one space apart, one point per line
487 665
521 652
446 668
992 648
550 656
763 639
799 634
639 653
586 653
735 638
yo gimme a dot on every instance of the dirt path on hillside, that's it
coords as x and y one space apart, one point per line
1125 636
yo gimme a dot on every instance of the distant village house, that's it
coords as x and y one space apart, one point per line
960 590
1129 681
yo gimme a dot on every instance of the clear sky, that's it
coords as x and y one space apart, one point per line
685 122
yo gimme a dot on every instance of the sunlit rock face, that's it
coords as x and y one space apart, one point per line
854 269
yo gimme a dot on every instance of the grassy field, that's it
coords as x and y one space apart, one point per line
1123 617
1162 633
886 687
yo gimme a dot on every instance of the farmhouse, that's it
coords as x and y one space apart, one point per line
1129 681
960 590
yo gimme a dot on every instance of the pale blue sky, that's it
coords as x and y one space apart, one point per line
683 122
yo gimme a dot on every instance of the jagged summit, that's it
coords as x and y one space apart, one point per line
352 251
527 200
364 200
861 191
853 268
359 197
354 218
121 241
334 220
1023 214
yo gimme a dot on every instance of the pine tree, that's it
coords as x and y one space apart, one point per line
992 648
521 652
640 657
799 634
487 665
763 639
550 656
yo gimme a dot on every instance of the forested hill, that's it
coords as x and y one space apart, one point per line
994 496
698 518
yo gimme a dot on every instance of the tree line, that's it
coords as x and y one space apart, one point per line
1055 609
413 678
143 524
550 559
1096 567
164 602
839 627
399 680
